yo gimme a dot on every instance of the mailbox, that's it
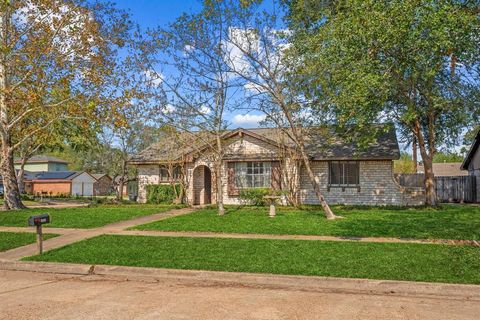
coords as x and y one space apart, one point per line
38 220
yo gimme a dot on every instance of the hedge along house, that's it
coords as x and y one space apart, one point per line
266 158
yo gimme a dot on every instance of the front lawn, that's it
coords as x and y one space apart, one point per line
447 222
414 262
10 240
83 217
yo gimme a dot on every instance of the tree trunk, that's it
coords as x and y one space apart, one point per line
120 186
300 142
218 182
12 197
20 179
430 192
7 168
218 175
414 154
316 187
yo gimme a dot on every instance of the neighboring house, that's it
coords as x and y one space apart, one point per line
446 169
472 162
130 188
103 185
75 183
265 157
41 163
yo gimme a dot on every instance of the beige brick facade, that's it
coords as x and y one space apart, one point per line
377 184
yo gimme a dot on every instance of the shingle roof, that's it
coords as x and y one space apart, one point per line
55 175
446 169
99 175
172 148
322 143
43 158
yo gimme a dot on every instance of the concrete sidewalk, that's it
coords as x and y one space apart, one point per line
119 229
28 295
272 281
75 235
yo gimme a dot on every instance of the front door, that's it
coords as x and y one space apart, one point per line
202 185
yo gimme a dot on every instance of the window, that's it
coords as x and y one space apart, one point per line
164 175
253 175
344 174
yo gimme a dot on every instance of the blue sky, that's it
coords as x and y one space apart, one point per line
152 13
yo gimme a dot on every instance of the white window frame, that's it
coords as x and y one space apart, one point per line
253 174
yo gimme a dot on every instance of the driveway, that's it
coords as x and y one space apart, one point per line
30 295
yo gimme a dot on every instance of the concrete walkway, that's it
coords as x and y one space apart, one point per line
69 236
154 233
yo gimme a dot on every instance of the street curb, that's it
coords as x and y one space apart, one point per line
255 280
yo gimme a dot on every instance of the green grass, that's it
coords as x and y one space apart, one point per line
446 222
92 217
414 262
10 240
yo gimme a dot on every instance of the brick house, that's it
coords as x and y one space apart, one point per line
75 183
103 185
265 157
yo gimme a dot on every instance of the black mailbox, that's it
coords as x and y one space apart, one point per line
38 220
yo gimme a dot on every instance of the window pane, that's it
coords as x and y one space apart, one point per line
344 173
163 174
258 181
249 181
351 173
335 173
252 174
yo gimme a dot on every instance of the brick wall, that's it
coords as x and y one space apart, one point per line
55 188
103 186
377 186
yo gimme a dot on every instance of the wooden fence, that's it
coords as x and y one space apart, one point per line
449 189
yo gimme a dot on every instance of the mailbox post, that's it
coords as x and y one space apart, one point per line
38 221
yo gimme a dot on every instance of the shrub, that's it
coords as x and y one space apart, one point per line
255 196
25 196
162 193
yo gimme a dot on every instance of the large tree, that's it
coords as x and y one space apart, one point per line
57 59
257 46
415 63
187 72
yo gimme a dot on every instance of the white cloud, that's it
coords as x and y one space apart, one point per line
153 77
254 88
204 110
250 120
168 109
